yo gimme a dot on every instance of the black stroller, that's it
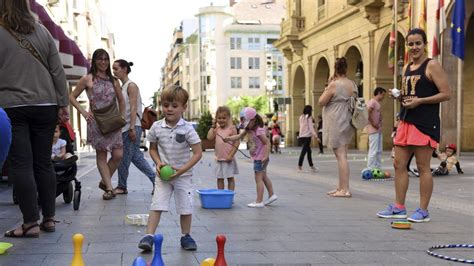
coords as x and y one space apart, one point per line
66 171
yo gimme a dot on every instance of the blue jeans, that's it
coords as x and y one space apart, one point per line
375 150
133 154
260 166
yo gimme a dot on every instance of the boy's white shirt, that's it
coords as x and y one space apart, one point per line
172 152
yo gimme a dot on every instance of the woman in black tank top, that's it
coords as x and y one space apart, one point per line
425 85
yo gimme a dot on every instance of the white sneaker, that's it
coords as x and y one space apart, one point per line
270 200
314 169
256 205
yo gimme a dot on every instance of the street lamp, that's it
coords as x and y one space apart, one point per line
270 87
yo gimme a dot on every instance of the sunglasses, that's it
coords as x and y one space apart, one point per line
417 43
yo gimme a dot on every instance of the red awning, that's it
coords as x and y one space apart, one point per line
74 62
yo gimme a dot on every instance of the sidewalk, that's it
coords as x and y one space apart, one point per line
304 227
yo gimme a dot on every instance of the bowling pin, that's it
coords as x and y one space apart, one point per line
157 259
220 259
139 261
77 240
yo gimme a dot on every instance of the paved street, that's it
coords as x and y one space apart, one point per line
304 227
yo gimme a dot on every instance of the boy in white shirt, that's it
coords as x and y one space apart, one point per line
170 139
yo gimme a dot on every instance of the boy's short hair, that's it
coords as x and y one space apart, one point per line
379 90
175 93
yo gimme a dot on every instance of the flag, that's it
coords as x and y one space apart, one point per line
407 57
422 20
391 46
440 26
457 29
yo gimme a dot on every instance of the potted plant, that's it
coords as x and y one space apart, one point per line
204 124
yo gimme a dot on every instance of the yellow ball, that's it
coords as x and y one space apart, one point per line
208 262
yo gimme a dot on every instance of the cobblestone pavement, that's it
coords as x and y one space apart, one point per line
303 227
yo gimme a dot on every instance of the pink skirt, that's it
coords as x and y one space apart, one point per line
409 135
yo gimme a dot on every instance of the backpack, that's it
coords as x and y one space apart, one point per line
149 117
358 108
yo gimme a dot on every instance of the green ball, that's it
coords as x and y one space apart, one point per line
166 172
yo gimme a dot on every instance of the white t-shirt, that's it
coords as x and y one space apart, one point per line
57 147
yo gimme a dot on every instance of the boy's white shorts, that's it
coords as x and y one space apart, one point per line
183 195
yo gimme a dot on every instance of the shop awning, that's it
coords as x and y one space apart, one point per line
74 62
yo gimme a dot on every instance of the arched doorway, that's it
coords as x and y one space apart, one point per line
384 78
355 72
467 130
321 75
297 104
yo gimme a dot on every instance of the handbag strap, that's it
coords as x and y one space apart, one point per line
26 44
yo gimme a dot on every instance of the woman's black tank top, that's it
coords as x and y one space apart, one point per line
424 117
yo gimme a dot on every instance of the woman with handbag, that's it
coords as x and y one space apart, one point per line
104 121
337 130
132 131
34 94
304 137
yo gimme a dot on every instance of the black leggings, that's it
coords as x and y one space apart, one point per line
306 142
30 165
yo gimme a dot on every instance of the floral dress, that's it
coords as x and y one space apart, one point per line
100 95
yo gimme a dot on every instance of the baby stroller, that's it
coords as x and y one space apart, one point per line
66 173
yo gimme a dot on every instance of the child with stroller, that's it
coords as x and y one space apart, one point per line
58 152
448 160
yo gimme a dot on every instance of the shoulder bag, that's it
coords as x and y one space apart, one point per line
359 112
26 44
108 118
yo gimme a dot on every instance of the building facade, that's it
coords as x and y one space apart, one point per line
315 33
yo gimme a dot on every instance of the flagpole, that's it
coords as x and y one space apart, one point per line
458 109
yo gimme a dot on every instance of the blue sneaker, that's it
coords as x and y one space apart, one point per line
188 243
419 216
146 243
392 212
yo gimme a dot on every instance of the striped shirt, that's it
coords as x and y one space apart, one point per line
174 143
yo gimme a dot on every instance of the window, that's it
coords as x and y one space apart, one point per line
235 63
254 82
235 82
254 63
321 9
235 43
254 43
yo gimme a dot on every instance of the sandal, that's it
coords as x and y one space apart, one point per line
102 186
332 192
341 194
120 190
24 234
50 228
108 195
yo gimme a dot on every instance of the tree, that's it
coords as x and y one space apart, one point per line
205 123
260 103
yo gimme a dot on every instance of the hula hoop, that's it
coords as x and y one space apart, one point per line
430 252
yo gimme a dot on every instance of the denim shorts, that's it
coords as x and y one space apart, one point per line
260 166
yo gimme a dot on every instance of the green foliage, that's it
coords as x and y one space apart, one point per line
260 103
205 123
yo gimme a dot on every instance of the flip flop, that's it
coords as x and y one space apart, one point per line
340 194
332 191
11 233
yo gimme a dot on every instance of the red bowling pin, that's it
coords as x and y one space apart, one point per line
220 259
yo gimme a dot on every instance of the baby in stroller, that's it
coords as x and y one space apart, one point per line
64 162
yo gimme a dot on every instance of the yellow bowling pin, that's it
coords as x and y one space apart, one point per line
77 241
